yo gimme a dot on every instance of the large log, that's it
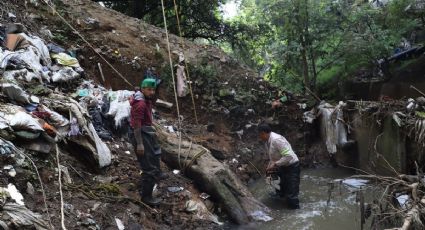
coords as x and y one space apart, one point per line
213 177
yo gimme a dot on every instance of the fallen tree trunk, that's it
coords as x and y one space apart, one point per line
213 177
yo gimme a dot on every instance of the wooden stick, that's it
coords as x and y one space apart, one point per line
417 90
101 72
313 94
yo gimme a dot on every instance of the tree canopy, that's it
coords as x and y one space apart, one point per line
295 43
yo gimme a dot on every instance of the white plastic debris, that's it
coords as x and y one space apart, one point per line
120 225
22 120
176 171
35 99
356 183
191 206
42 49
104 154
127 152
204 196
15 194
119 109
169 128
261 216
66 74
402 200
10 170
175 189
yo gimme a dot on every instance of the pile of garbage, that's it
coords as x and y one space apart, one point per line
34 113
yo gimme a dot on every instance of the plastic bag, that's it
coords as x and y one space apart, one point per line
41 47
15 93
65 75
22 120
104 154
66 60
120 111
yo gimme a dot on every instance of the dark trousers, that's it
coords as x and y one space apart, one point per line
290 183
149 162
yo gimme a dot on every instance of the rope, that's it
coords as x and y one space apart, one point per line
185 63
172 75
88 43
60 188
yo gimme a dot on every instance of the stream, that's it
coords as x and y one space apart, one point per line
342 212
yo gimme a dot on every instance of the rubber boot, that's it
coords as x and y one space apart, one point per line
162 176
151 201
146 195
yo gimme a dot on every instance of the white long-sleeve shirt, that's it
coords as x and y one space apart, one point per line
280 151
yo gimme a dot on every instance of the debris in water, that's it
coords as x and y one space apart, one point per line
356 183
261 216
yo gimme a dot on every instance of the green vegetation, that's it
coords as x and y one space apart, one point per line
297 43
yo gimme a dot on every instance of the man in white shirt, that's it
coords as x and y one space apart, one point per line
284 162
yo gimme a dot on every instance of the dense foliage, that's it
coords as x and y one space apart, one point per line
311 42
296 43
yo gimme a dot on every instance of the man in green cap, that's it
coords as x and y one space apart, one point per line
145 140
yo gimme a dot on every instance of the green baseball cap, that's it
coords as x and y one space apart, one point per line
149 83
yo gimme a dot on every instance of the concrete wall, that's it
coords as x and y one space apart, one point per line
379 149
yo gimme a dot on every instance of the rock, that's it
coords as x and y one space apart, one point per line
30 189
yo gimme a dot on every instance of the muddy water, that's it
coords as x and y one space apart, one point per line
342 212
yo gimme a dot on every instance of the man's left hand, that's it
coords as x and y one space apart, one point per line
272 167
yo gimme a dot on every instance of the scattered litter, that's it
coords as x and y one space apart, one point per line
175 189
176 171
10 169
127 152
234 161
120 225
15 194
204 196
402 200
191 206
170 128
